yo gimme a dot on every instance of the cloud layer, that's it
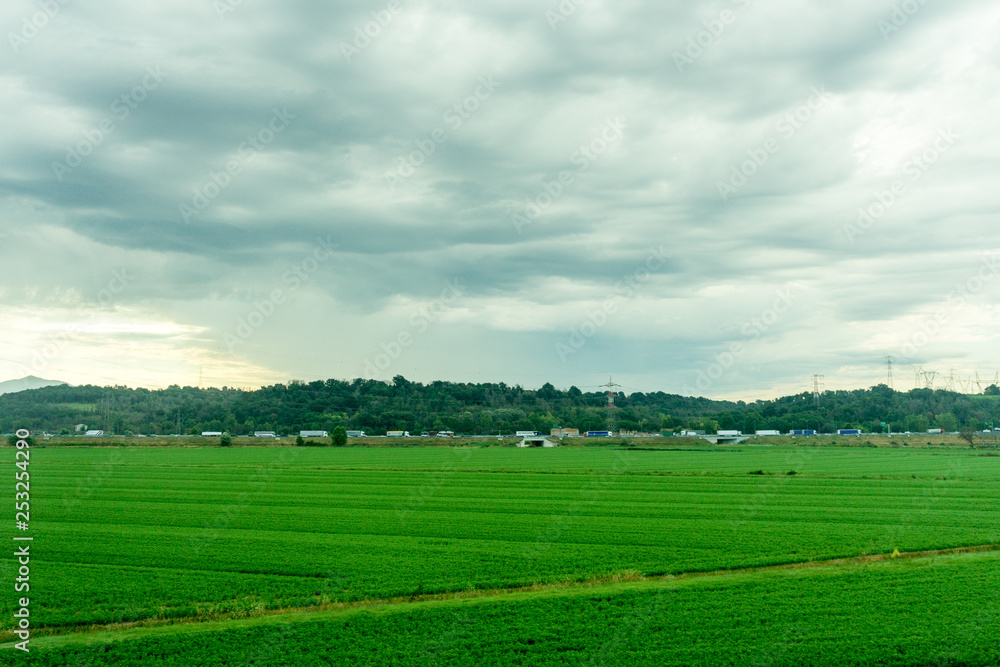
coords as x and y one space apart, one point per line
720 198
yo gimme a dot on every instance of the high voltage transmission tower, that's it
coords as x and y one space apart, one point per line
888 365
929 377
816 387
611 386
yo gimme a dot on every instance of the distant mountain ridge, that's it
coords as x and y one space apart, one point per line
29 382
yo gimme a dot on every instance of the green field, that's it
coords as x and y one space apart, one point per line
204 547
941 611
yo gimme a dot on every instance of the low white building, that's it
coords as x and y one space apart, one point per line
536 441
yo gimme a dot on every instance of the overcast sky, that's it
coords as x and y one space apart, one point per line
712 198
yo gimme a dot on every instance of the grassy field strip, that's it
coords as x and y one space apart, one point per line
631 582
960 463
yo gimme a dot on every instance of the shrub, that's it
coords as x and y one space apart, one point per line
225 440
12 440
339 437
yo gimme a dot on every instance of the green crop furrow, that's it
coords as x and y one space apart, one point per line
940 611
133 535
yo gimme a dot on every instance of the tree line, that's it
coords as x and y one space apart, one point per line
475 409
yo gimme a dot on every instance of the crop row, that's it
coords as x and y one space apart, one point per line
140 540
943 611
847 462
90 572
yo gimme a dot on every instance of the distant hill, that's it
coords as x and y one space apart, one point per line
30 382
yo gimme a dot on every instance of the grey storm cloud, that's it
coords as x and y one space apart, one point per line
534 151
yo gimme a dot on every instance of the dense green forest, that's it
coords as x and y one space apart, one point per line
480 409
